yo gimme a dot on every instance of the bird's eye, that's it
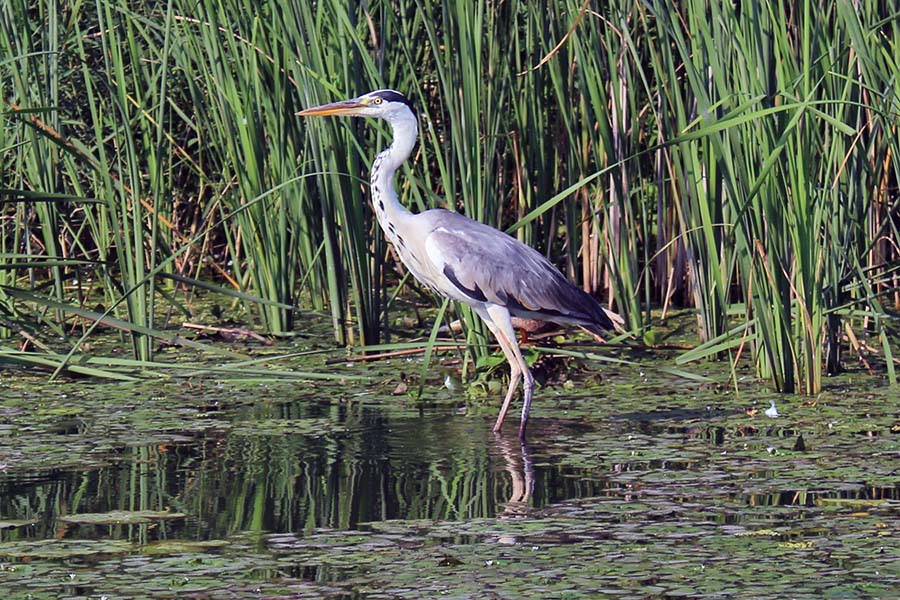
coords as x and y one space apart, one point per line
378 100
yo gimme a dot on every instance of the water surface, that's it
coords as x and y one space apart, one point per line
636 485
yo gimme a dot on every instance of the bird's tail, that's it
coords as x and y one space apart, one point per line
617 320
598 332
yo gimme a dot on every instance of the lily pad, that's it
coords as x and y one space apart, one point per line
121 517
62 549
164 547
15 524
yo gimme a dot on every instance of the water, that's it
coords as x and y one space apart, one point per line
232 489
290 483
280 466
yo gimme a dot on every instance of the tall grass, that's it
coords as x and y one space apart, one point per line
735 159
782 184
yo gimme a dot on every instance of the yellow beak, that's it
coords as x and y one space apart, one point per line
344 107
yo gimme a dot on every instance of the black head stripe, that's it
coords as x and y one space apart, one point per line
392 96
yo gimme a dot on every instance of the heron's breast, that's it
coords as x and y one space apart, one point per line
426 271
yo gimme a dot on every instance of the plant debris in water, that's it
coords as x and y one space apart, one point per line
641 485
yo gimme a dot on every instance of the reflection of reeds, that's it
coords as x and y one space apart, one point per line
736 159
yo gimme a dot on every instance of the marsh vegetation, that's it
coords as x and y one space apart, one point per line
733 159
641 485
723 175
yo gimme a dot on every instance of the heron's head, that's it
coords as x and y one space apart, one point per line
384 104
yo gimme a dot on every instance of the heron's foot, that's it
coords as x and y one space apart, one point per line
527 393
498 424
514 378
522 426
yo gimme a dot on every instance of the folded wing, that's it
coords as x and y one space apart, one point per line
484 265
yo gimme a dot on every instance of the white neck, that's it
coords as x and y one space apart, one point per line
384 198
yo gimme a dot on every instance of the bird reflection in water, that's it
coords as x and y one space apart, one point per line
518 463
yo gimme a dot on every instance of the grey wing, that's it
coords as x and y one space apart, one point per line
481 264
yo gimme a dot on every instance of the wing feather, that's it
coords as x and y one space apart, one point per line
481 264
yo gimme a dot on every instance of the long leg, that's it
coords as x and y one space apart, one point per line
515 373
499 322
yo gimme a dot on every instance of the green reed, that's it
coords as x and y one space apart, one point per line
736 159
784 98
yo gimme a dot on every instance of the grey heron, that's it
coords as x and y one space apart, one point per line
467 261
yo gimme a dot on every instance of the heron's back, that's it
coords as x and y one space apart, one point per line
477 264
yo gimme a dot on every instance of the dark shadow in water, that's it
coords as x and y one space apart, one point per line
307 464
859 497
676 414
296 466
